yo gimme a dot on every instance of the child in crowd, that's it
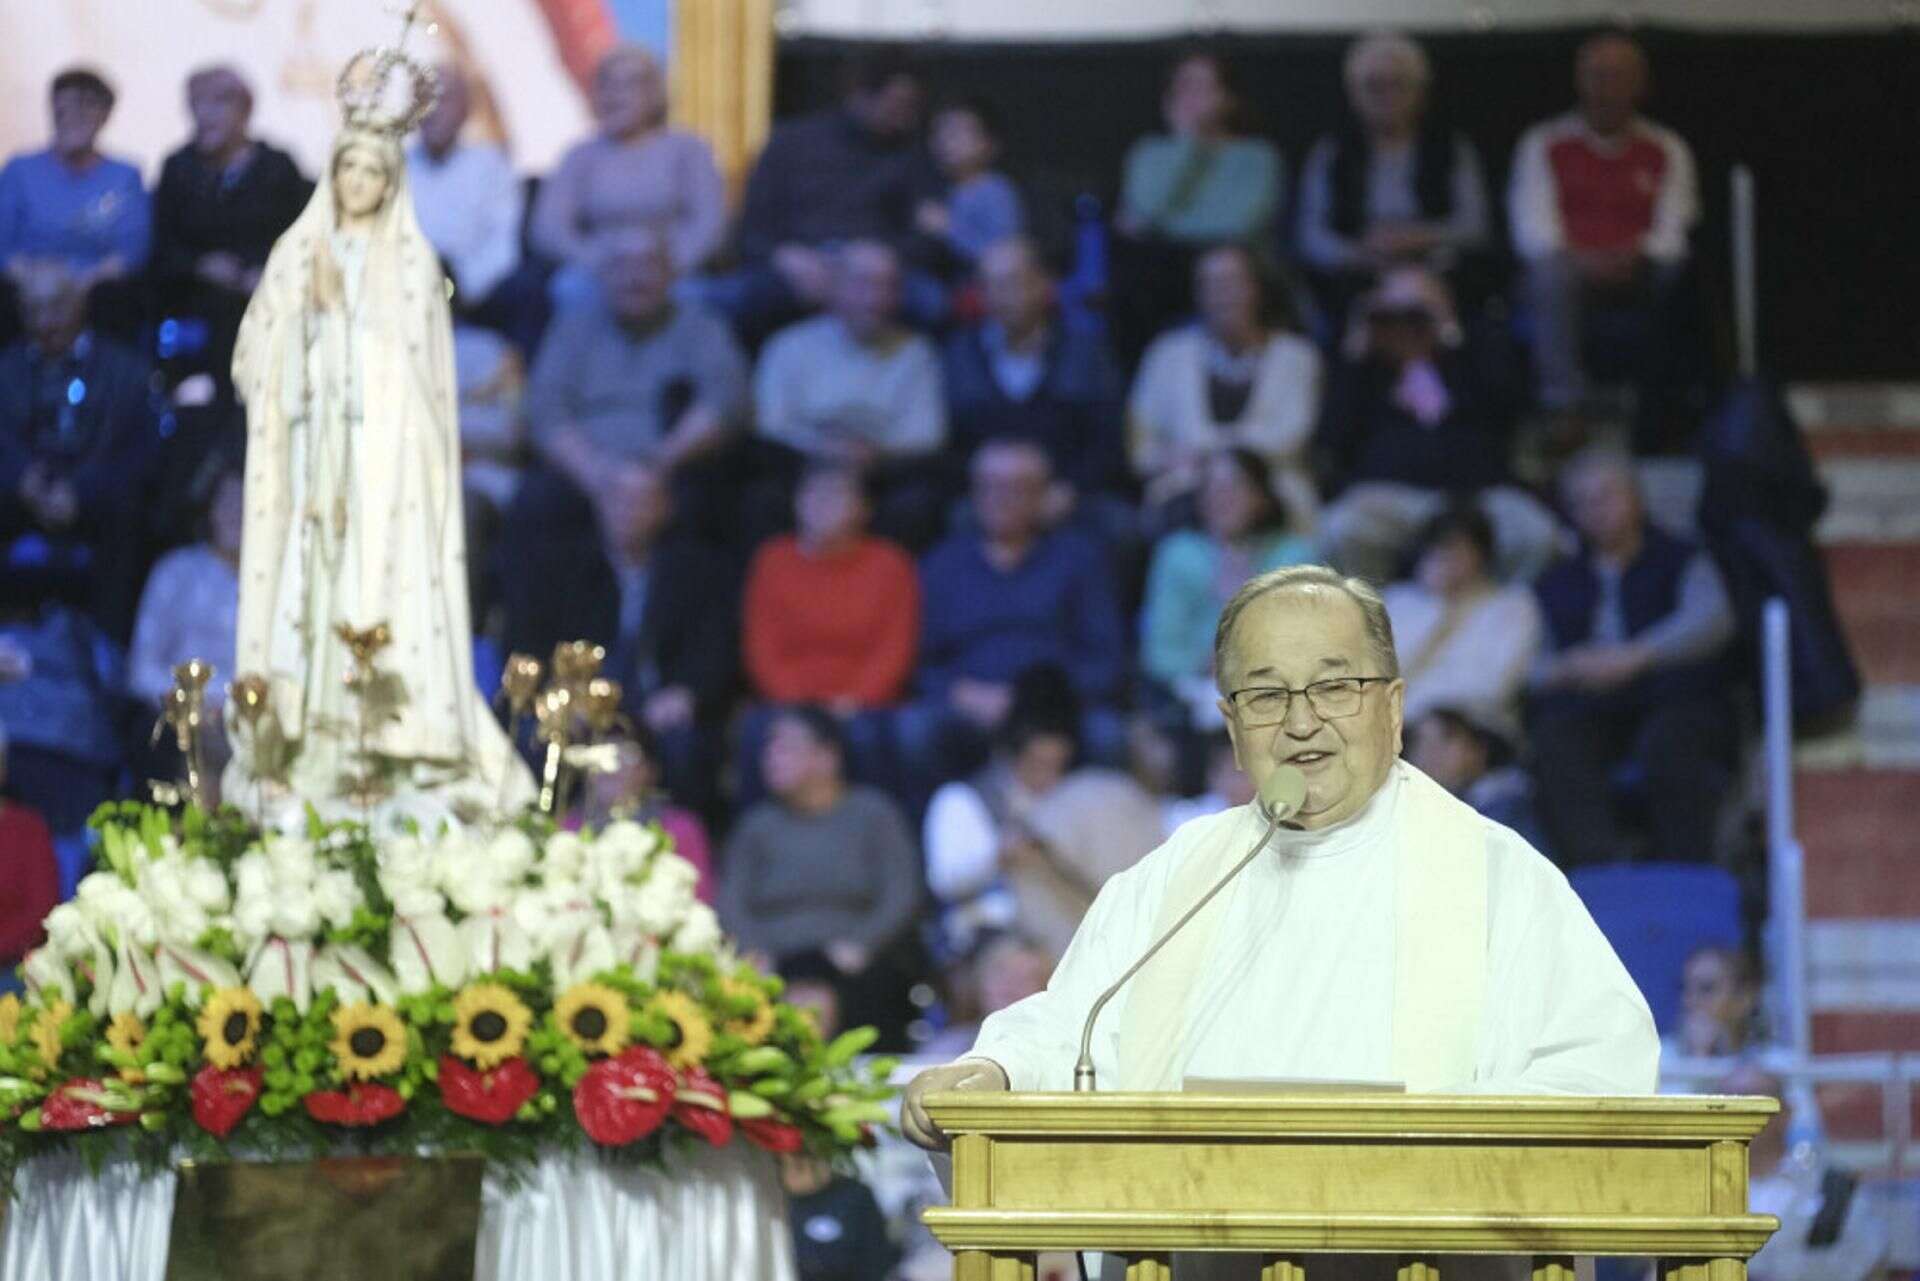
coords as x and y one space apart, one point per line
981 205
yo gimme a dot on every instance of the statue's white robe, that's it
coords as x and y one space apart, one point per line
1300 980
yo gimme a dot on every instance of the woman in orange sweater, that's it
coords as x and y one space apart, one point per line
831 617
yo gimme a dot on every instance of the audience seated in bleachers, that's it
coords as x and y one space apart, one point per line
60 708
78 438
997 599
1242 532
851 172
1601 204
856 385
1417 415
663 606
1204 182
70 207
191 603
1234 378
29 880
631 374
1394 187
1026 843
223 199
1720 1014
469 203
980 206
826 866
1636 622
1028 369
1472 756
636 171
831 617
1465 640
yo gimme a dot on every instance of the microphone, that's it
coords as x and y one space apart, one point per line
1280 799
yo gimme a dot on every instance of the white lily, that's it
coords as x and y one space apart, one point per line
47 975
135 985
282 967
352 974
196 969
425 950
586 953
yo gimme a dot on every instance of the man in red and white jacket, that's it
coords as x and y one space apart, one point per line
1600 204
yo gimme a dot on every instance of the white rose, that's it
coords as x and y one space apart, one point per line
292 860
631 842
336 895
253 876
699 931
510 854
206 886
656 908
70 933
406 877
295 913
564 856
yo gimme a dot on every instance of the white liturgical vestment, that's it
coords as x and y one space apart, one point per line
1299 982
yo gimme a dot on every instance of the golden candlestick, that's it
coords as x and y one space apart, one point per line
184 711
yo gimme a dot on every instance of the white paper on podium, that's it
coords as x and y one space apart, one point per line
1258 1085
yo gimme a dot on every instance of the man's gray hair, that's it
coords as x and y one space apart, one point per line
1391 48
1319 581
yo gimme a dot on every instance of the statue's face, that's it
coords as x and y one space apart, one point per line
359 181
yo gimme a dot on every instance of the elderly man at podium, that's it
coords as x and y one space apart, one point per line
1385 935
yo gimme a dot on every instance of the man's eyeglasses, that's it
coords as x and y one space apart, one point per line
1261 705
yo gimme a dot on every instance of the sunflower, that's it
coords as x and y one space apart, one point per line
489 1025
692 1033
9 1018
229 1026
594 1017
753 1027
126 1034
368 1041
46 1034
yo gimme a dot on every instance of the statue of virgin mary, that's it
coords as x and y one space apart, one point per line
353 506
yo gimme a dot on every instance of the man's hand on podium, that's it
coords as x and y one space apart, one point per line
967 1074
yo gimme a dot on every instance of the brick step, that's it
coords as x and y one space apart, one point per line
1864 442
1876 589
1858 828
1872 499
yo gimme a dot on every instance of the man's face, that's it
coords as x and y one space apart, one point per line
866 291
1010 491
1605 505
1196 100
961 143
53 309
359 181
220 108
1230 502
1294 638
441 128
78 117
1610 78
1387 96
1444 754
1449 565
1228 294
891 111
1042 762
1710 988
829 506
629 94
1013 287
1011 972
638 278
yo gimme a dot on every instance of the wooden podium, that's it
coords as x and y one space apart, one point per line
1415 1177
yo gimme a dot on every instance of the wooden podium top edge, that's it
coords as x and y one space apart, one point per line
1668 1117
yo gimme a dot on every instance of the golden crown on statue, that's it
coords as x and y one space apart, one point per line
383 90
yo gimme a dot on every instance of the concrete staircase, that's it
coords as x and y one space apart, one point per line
1858 793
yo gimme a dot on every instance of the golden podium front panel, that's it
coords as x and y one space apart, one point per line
1421 1176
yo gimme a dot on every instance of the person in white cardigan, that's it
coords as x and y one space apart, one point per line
1466 641
1233 379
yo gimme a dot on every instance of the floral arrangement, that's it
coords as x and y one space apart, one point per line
212 991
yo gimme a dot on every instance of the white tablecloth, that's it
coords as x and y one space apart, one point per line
717 1215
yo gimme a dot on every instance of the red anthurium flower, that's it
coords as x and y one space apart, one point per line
223 1097
362 1103
700 1104
774 1136
625 1097
79 1105
492 1097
